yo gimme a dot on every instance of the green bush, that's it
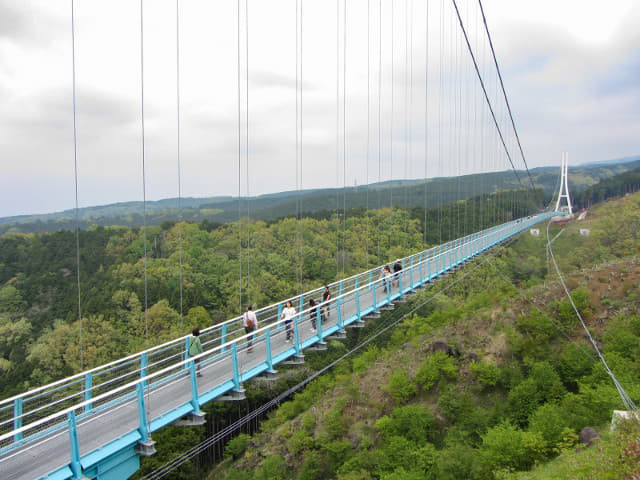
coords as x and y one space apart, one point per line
413 422
542 385
507 447
487 374
364 360
400 386
550 422
237 446
312 467
435 368
273 468
566 312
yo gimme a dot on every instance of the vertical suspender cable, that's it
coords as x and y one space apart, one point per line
407 129
426 118
379 118
440 95
144 178
344 136
338 217
246 145
391 120
75 169
144 202
239 159
367 216
178 155
298 23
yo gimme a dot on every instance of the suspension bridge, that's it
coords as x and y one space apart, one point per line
96 424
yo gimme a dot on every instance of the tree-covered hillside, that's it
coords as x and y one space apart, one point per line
491 374
39 287
433 192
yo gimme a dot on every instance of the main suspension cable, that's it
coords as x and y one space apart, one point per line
484 90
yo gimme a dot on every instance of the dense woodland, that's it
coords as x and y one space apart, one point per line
39 287
524 384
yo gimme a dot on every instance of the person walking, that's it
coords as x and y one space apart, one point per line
386 278
313 314
287 315
397 268
195 348
326 296
250 323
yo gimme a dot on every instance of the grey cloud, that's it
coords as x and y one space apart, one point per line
24 21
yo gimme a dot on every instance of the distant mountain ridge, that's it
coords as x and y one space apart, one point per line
404 193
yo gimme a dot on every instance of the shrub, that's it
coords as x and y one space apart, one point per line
237 446
550 422
363 361
273 468
507 447
435 368
487 374
543 385
413 422
400 387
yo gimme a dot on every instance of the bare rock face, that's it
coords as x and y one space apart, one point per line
588 435
440 346
453 351
473 357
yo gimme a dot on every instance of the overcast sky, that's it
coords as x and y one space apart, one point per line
571 70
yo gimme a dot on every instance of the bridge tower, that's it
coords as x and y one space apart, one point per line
564 186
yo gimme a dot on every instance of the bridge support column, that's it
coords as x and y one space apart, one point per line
76 468
145 446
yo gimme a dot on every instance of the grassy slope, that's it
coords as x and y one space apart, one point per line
333 422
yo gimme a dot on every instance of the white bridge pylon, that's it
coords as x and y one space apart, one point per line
564 186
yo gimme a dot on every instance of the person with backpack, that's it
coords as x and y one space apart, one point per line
397 268
326 296
250 323
195 348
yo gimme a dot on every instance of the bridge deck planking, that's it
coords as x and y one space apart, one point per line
167 398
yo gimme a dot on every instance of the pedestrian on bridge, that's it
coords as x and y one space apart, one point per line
397 268
313 314
326 296
195 347
250 323
386 278
287 315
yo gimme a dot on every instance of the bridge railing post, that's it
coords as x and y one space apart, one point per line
236 370
143 365
88 385
267 338
17 418
143 425
373 291
75 465
421 270
339 306
195 400
296 334
223 337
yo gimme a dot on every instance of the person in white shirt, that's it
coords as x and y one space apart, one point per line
287 315
250 323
